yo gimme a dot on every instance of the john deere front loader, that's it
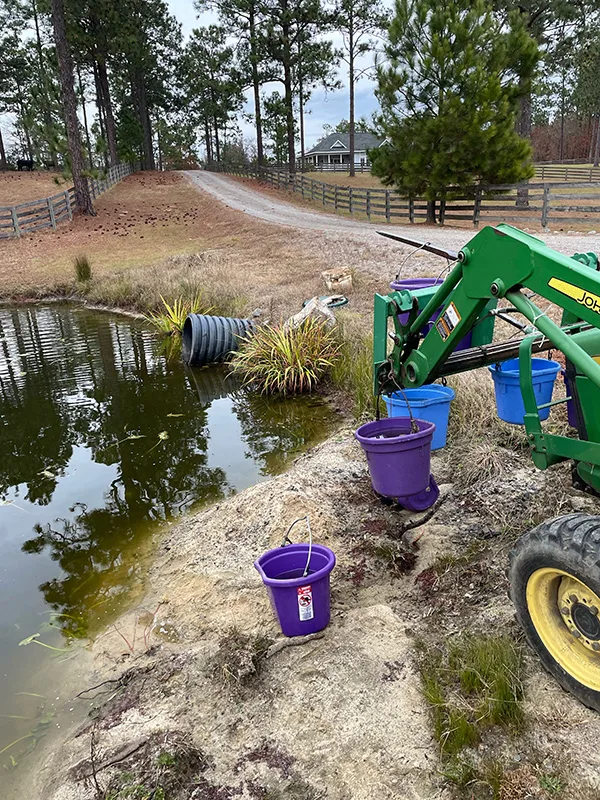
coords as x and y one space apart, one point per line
507 274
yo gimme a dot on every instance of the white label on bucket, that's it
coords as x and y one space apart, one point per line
305 603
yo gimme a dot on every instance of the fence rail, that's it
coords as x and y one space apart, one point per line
48 212
527 203
565 172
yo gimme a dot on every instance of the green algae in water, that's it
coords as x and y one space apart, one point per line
104 442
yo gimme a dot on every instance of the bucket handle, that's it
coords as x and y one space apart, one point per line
287 540
414 428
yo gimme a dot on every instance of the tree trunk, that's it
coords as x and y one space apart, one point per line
592 137
85 119
65 69
301 113
217 143
139 93
111 129
256 89
561 147
431 217
524 120
351 81
287 83
44 80
597 146
100 107
3 164
524 130
207 141
159 147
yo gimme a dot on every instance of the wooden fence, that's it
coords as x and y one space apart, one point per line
566 172
528 204
51 211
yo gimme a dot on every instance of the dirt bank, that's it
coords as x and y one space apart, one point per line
341 716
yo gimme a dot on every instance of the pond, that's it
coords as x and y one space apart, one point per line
103 442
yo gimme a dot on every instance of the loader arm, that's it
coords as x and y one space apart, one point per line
497 263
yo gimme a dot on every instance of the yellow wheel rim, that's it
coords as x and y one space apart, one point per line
566 616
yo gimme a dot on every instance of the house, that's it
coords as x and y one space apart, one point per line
334 149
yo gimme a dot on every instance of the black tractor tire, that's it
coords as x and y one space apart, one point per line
571 545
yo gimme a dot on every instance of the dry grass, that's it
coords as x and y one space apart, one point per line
362 180
156 234
19 187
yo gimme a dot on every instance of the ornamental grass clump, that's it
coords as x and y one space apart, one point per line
171 319
286 361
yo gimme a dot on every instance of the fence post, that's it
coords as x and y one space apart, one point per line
567 174
68 203
477 206
368 205
312 189
411 209
335 196
350 206
51 214
591 173
15 221
545 205
387 205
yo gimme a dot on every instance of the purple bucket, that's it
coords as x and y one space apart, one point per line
399 461
300 603
412 284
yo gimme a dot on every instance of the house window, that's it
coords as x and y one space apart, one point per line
338 145
335 158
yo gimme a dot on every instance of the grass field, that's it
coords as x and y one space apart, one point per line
18 187
362 180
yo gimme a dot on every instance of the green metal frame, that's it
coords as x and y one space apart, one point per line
501 262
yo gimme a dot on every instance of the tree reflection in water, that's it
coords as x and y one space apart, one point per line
80 389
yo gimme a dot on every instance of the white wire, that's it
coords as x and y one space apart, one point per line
305 573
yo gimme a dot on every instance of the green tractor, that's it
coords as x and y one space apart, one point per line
554 569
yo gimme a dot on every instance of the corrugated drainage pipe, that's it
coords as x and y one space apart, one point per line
207 340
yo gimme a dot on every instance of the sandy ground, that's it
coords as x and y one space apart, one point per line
19 187
240 196
342 716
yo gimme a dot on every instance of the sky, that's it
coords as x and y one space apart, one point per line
323 108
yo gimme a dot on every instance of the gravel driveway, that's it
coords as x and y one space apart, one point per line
262 206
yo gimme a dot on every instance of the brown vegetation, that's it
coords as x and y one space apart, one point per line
19 187
145 220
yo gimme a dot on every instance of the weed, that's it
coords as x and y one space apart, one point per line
83 269
286 361
168 767
173 316
239 658
475 682
353 368
551 784
490 668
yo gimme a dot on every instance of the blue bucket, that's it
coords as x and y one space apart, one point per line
431 403
509 401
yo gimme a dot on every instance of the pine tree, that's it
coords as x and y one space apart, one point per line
361 23
449 97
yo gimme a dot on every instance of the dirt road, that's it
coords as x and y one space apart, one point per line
238 196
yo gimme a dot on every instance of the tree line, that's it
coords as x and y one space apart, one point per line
464 87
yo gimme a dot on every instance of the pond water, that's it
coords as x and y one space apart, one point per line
103 442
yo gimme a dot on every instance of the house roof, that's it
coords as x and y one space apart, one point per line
339 143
